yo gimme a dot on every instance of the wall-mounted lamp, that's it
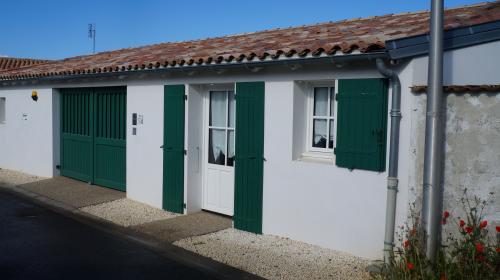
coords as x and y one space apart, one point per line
34 95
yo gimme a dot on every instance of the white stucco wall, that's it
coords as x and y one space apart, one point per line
26 142
320 203
474 65
144 155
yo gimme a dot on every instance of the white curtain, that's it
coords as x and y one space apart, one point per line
218 108
217 148
319 133
321 101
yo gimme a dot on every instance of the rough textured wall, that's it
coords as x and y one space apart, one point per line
472 157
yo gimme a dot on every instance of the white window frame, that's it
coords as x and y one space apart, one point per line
3 110
315 152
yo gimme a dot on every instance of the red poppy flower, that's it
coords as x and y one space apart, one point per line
446 214
406 243
461 223
483 224
498 250
468 230
480 258
498 228
479 247
410 266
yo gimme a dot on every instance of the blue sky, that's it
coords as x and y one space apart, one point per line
55 29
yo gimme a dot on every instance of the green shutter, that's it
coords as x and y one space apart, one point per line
249 154
173 149
361 124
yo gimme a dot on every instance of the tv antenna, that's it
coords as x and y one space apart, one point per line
92 35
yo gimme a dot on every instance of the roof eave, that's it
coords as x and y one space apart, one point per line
187 68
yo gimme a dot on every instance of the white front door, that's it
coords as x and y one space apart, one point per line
218 187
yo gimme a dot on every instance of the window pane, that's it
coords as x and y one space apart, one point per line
330 141
232 106
230 148
217 146
218 108
320 101
332 101
319 134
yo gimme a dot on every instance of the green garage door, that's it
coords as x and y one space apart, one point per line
93 135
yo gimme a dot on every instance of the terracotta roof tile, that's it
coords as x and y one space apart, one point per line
461 88
331 38
7 63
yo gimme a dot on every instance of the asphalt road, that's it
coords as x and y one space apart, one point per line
37 243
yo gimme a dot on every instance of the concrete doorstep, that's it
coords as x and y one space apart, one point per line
201 238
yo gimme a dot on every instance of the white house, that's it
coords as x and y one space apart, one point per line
285 130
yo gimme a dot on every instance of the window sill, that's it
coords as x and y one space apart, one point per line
317 157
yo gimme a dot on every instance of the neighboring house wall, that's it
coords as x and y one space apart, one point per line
472 147
27 136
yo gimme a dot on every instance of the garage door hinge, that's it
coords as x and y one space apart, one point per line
185 152
185 97
184 205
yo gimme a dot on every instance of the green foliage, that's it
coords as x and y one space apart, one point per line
466 251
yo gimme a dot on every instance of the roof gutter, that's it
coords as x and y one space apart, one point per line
392 178
210 67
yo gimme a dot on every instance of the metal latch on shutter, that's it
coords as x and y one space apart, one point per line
379 134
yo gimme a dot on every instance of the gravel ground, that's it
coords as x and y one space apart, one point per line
274 257
11 178
126 212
